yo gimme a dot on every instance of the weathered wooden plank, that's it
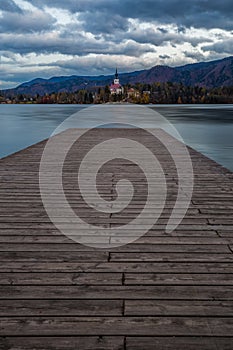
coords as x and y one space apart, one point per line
60 278
38 210
189 292
64 308
57 239
45 221
179 343
131 267
176 257
152 281
52 231
54 256
62 343
178 279
133 247
150 326
216 211
225 234
180 240
178 308
104 222
54 240
217 221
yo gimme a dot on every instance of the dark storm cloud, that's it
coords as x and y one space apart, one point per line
181 29
95 34
163 30
26 22
49 44
103 23
164 57
109 23
225 46
75 45
198 56
102 64
150 35
9 6
197 13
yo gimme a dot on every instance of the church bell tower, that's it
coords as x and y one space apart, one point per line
116 80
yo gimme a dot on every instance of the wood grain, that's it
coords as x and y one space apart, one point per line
165 291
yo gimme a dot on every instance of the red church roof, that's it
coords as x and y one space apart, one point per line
115 86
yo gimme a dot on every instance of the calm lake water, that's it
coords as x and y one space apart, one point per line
207 128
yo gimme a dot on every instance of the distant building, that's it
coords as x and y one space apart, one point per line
133 93
115 87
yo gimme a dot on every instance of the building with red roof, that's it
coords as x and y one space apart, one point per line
115 87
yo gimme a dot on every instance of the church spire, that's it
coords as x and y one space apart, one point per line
116 74
116 88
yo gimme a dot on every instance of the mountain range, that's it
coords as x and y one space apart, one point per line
207 74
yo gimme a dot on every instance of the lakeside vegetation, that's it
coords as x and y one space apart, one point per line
156 93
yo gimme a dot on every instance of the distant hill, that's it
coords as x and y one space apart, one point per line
207 74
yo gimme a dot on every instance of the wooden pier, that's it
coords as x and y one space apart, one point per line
163 291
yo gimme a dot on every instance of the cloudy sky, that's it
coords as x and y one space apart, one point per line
43 38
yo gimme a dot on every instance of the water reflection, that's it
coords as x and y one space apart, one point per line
207 128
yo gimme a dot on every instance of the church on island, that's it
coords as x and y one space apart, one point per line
115 87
